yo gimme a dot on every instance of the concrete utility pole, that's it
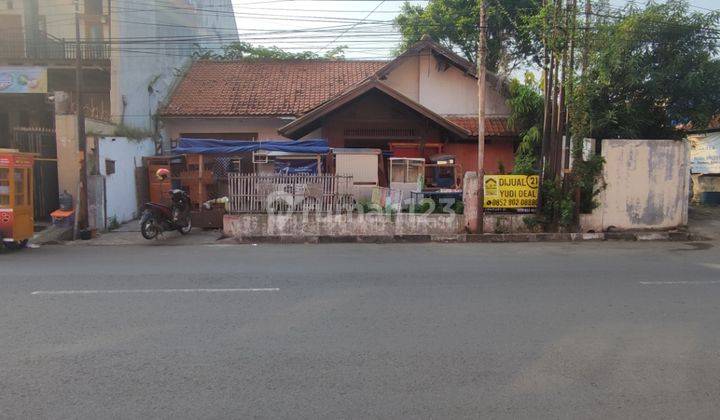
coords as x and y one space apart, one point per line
481 55
586 41
80 122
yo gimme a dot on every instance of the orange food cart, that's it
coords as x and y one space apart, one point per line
16 197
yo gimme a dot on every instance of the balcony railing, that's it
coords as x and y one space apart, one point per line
48 47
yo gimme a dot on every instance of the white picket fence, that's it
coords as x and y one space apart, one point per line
278 193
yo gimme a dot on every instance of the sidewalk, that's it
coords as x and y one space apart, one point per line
704 224
705 221
129 234
473 238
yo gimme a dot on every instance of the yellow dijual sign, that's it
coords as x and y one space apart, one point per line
511 191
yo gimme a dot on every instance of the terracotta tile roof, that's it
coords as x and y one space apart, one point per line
263 87
494 126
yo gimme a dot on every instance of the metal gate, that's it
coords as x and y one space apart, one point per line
41 141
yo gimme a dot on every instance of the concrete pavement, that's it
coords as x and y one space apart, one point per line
129 234
557 330
705 221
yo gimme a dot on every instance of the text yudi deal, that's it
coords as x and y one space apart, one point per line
511 191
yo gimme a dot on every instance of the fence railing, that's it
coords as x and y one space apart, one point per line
39 140
278 193
48 47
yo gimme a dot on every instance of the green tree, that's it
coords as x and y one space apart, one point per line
454 24
648 71
245 50
526 106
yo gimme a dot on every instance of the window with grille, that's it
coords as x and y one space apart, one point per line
109 167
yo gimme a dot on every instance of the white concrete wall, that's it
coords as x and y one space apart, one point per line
68 153
338 225
647 185
142 75
405 78
447 92
265 127
217 23
120 187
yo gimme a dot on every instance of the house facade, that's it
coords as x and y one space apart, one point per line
426 96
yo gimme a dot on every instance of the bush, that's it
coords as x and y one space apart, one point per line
558 204
531 222
588 176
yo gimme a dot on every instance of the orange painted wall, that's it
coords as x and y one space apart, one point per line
496 150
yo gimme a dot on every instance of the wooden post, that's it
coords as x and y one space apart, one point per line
80 123
481 57
200 180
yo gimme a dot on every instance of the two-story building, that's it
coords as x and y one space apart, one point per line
130 53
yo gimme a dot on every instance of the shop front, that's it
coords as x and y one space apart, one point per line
16 197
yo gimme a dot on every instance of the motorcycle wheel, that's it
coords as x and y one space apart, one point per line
184 230
149 228
16 245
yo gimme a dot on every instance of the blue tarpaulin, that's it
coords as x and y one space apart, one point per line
291 167
230 147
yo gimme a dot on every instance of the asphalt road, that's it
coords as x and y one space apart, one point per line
590 330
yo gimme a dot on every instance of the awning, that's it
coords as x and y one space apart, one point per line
230 147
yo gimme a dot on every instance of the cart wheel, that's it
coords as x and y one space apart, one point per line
16 245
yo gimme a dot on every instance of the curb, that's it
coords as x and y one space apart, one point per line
475 238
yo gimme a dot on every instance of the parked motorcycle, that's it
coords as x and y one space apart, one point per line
157 218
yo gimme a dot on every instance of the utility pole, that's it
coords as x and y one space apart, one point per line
565 80
586 41
481 58
556 60
573 152
80 123
547 108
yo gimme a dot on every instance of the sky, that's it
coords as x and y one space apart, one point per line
365 26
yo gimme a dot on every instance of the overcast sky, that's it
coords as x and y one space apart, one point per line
317 25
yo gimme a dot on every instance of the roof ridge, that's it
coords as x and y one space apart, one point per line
286 60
